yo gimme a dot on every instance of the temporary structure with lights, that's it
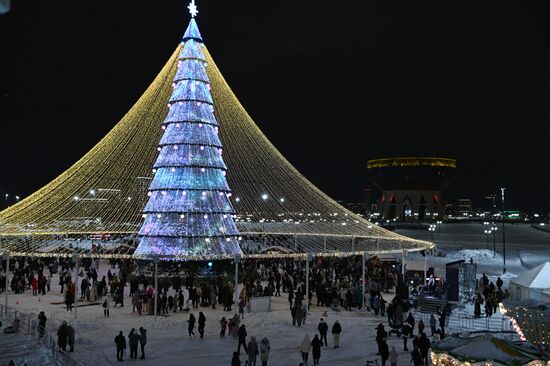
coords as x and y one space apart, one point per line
96 207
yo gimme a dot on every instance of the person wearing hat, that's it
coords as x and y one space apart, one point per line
336 331
323 330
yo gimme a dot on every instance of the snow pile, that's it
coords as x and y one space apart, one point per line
478 255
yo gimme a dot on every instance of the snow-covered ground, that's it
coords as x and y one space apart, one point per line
169 344
525 246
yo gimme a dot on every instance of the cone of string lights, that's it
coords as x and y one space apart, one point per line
157 180
189 213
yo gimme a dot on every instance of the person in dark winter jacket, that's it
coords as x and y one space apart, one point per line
410 320
191 325
433 324
41 324
235 361
133 341
70 337
381 336
416 358
202 323
384 352
62 336
406 332
241 334
336 331
120 342
424 345
316 344
323 330
223 326
142 341
252 351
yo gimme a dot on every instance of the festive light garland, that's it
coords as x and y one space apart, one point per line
106 191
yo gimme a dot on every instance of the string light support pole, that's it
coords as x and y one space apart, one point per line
156 287
503 235
308 258
364 257
7 259
237 261
75 262
425 266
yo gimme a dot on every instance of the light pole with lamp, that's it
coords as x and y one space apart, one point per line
494 229
432 229
487 233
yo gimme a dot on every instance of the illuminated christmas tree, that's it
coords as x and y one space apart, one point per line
189 212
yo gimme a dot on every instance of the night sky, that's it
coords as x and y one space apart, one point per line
330 87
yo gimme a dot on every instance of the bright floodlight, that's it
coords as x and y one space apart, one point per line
264 196
282 200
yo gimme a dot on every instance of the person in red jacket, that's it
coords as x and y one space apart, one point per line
34 285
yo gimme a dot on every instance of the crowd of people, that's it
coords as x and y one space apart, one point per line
489 295
334 284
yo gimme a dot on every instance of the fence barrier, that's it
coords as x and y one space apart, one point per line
28 323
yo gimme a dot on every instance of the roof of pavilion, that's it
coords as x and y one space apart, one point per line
94 208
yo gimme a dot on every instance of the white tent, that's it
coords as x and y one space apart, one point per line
533 284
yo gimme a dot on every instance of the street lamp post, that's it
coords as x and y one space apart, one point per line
494 229
487 233
432 229
503 235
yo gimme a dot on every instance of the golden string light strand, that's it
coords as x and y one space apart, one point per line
105 191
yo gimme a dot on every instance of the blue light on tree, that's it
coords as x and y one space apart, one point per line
188 212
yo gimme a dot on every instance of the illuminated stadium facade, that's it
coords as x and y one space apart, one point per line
411 186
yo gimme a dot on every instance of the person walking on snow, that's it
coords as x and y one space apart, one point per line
142 341
191 325
223 325
323 330
252 351
336 331
120 342
305 347
265 348
202 323
133 341
316 344
241 334
433 324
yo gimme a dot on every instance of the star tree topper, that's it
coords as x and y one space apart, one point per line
192 9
